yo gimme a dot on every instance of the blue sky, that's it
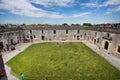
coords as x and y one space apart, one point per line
59 11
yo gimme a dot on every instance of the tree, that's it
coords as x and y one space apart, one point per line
33 24
23 24
75 24
87 24
64 24
39 24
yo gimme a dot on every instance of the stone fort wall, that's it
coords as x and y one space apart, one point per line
107 39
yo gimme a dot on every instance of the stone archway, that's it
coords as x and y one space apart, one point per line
106 45
31 37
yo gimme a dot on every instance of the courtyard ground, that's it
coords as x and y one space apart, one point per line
7 56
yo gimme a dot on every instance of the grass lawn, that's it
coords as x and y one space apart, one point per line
58 61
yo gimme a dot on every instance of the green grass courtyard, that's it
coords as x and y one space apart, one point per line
62 61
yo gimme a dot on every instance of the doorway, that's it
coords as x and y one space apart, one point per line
11 41
106 45
78 37
31 37
43 38
94 41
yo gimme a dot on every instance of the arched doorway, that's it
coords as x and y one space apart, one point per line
106 45
31 37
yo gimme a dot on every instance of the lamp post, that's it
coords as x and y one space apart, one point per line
3 75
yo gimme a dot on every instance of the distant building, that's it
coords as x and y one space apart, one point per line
105 36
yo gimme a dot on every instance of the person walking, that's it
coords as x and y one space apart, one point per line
22 76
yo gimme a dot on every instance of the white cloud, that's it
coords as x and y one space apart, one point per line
115 4
112 2
47 3
103 4
92 5
115 9
108 12
81 14
24 7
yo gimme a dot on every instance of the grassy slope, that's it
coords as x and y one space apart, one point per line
68 61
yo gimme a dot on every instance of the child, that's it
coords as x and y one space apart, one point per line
22 76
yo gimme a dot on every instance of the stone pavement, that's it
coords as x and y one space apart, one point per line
9 75
111 59
20 47
8 55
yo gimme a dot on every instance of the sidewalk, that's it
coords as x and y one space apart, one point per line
111 59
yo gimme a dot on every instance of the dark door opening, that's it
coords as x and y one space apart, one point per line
31 37
43 38
78 37
1 46
85 36
94 41
106 45
11 41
